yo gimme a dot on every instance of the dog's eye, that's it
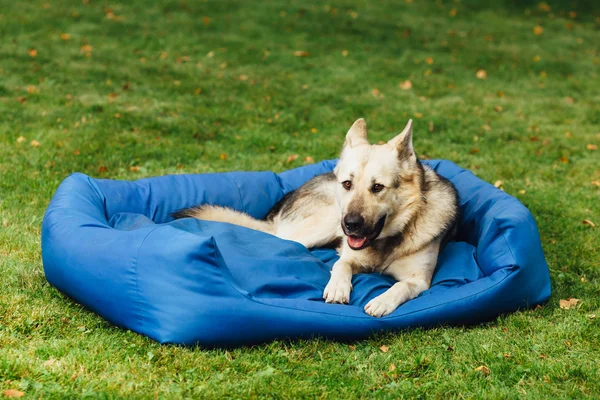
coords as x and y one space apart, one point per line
347 185
376 188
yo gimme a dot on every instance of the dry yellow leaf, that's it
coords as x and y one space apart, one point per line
544 7
568 304
418 115
301 53
134 168
65 36
309 159
205 21
345 53
595 183
500 93
429 60
223 156
198 91
452 12
486 128
536 58
314 130
86 48
375 92
352 347
538 30
483 369
569 100
35 143
32 52
406 85
392 367
481 74
498 183
588 222
292 157
384 348
13 393
522 191
591 147
21 139
243 77
498 108
564 160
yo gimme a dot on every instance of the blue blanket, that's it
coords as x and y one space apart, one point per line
113 247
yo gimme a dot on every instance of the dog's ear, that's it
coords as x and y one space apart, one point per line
357 134
403 142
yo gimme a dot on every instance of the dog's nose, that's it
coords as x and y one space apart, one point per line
354 222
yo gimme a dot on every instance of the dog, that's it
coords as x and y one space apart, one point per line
381 208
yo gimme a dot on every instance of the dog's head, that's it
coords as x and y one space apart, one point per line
380 186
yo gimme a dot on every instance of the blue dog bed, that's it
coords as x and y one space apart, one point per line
113 247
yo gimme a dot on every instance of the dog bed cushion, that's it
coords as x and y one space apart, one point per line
114 247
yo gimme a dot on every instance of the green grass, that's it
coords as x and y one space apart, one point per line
122 92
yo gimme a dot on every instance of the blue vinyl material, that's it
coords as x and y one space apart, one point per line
113 247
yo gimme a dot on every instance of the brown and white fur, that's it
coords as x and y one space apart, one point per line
382 209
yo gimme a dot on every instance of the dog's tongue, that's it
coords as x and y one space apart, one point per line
356 242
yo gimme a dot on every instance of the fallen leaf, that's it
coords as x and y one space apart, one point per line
117 115
406 85
500 93
243 77
498 109
134 168
292 157
536 58
352 347
483 369
35 143
568 343
384 348
76 152
32 52
21 99
345 53
568 304
452 12
591 316
429 60
591 147
375 92
301 53
22 139
223 156
543 356
13 393
392 368
481 74
65 36
206 21
538 30
314 130
86 48
309 159
588 222
544 6
564 160
49 362
101 169
474 150
418 115
568 135
498 183
522 191
198 91
569 100
486 128
572 14
431 126
595 183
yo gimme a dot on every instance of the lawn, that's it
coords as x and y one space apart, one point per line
510 90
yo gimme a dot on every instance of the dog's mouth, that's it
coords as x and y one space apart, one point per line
359 242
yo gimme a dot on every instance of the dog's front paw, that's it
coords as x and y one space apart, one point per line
338 290
381 305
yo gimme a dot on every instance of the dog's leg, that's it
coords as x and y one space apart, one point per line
413 273
340 284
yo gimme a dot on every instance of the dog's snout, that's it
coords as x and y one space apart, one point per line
354 222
